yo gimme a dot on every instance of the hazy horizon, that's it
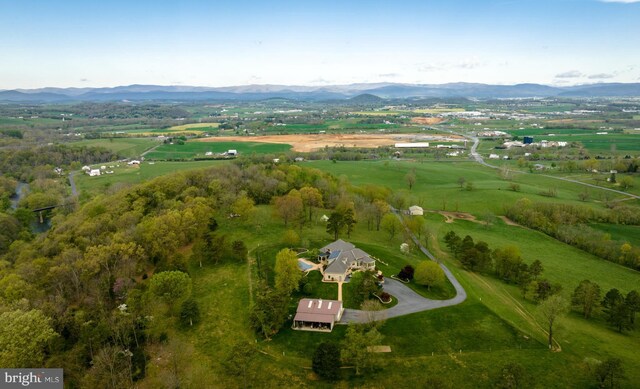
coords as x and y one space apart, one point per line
197 43
308 86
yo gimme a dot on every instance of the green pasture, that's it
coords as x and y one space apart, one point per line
126 147
578 337
193 149
130 175
330 126
437 186
550 108
547 131
469 341
620 232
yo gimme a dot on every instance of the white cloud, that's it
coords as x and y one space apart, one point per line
389 75
570 74
600 76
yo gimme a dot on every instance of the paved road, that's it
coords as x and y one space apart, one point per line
408 300
481 161
74 191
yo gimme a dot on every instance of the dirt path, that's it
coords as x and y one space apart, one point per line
509 222
451 216
509 300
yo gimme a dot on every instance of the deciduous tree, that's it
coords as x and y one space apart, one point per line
171 286
410 178
23 336
391 225
287 272
551 309
587 297
289 207
311 198
429 273
358 345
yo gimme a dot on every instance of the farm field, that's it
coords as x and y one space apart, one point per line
554 131
204 127
312 142
129 175
437 184
127 147
193 149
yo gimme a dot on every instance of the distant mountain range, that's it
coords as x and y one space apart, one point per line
314 93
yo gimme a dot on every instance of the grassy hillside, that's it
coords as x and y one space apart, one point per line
127 147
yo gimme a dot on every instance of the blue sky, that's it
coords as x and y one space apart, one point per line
221 43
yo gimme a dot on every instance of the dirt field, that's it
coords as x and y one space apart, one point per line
427 121
305 143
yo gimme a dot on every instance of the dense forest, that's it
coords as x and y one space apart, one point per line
79 296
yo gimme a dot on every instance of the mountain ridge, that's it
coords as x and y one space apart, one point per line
383 90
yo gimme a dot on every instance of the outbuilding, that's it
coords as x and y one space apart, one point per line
415 210
317 315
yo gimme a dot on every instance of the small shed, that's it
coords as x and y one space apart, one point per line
324 218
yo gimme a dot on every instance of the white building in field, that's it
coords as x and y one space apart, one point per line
94 172
416 145
415 210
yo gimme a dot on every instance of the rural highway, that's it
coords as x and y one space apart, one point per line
408 300
480 160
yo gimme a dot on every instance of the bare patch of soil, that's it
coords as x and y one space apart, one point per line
426 120
311 142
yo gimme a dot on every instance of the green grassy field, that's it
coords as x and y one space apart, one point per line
127 147
555 131
437 185
620 232
193 149
129 175
470 341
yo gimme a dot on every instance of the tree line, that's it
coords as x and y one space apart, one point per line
506 263
569 224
